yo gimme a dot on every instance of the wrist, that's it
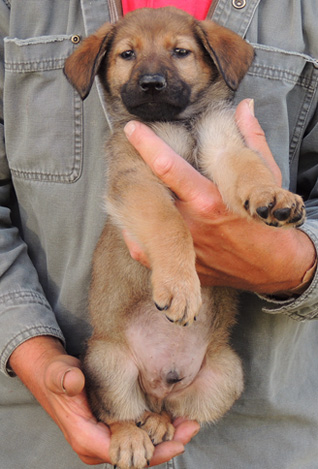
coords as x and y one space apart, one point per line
303 285
298 264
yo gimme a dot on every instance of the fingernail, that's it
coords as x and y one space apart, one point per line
129 128
196 431
62 380
251 106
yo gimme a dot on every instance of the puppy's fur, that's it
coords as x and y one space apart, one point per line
177 74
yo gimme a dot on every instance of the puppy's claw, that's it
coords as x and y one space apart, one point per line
162 308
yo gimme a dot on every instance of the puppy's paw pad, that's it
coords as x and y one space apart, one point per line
282 214
263 212
275 206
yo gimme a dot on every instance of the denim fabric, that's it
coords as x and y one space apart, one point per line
52 177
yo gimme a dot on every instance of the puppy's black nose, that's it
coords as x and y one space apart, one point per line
154 82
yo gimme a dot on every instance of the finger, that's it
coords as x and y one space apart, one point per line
97 442
254 135
187 183
166 451
185 430
63 376
73 382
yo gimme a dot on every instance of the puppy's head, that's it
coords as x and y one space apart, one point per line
160 64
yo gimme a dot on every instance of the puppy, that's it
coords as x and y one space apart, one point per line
177 74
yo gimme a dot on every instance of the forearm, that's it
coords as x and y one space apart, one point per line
305 259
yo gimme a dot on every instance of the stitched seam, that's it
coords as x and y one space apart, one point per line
34 331
31 330
76 170
272 73
35 65
23 296
305 57
301 122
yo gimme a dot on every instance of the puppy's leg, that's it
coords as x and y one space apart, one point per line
117 400
140 203
112 381
242 176
214 390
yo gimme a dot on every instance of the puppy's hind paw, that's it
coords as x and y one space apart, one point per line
158 427
130 447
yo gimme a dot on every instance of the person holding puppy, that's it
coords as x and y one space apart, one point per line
49 162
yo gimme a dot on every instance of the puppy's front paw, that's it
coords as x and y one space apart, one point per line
158 426
275 206
177 294
130 447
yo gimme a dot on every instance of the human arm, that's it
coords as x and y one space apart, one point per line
230 251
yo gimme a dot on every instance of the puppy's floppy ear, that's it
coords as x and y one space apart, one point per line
82 65
230 53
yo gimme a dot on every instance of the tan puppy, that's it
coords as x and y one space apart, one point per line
164 67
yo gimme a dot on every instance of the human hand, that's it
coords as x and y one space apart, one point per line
231 251
56 380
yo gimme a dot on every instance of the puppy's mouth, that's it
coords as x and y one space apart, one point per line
154 99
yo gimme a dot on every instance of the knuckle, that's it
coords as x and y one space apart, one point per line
207 206
162 166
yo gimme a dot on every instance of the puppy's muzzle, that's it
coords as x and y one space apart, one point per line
152 83
154 97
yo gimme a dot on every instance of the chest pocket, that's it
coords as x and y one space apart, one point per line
43 128
283 85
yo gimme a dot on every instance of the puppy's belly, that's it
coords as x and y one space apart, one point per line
167 355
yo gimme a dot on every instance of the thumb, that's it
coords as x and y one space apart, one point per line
64 376
175 172
254 135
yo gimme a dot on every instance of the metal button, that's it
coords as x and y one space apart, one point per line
238 4
75 39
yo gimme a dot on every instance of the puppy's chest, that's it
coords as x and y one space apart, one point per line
182 139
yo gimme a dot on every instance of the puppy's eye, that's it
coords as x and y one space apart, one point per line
128 55
180 52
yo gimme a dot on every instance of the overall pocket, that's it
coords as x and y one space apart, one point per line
43 127
283 85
